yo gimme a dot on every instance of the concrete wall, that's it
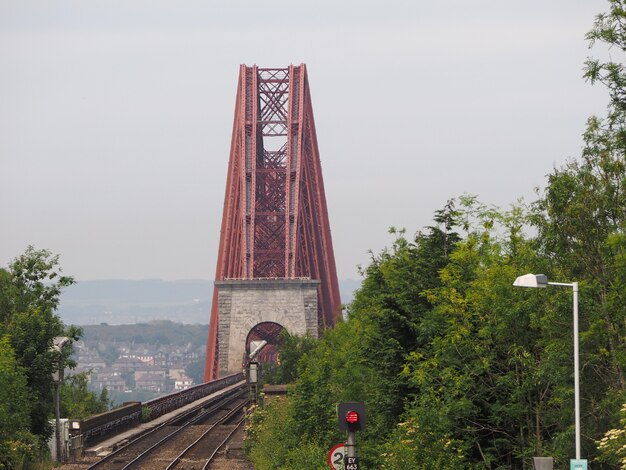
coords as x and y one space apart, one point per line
243 304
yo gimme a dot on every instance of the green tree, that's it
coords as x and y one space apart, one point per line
272 444
581 220
77 401
8 298
391 312
610 28
38 280
473 396
17 445
612 446
29 293
291 350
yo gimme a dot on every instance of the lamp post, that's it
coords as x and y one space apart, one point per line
541 280
57 378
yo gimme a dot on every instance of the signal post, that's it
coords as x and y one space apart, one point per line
351 417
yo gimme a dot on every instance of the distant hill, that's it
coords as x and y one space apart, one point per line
119 302
155 332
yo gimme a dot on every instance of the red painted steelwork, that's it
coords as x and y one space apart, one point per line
275 219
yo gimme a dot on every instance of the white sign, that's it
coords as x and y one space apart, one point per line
336 456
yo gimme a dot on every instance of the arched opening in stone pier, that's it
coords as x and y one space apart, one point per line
265 331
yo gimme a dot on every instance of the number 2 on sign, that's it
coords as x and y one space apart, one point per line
336 456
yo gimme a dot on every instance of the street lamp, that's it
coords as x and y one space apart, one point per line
541 280
57 378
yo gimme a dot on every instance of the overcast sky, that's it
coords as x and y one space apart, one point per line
116 117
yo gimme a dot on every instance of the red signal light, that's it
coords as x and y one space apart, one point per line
352 417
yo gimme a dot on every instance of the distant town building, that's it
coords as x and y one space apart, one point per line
127 364
91 362
158 368
150 383
183 383
150 370
109 380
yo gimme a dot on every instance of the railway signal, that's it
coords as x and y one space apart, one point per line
351 417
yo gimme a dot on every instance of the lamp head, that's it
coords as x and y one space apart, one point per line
531 280
58 342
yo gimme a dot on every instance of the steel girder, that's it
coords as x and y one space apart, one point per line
275 219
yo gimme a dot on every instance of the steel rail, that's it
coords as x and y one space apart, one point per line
214 403
226 417
212 456
220 404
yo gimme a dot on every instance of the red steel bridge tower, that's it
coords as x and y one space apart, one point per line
275 219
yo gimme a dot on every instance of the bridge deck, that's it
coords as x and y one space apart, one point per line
109 445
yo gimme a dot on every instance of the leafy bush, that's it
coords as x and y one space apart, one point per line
411 446
145 414
21 451
612 446
272 444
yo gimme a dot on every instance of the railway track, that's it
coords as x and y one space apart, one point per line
188 441
212 437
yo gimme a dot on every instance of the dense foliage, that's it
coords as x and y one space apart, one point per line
17 443
275 444
29 295
78 402
458 368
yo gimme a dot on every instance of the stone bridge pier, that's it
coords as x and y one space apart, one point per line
246 304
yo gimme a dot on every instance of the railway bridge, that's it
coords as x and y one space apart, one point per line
275 266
